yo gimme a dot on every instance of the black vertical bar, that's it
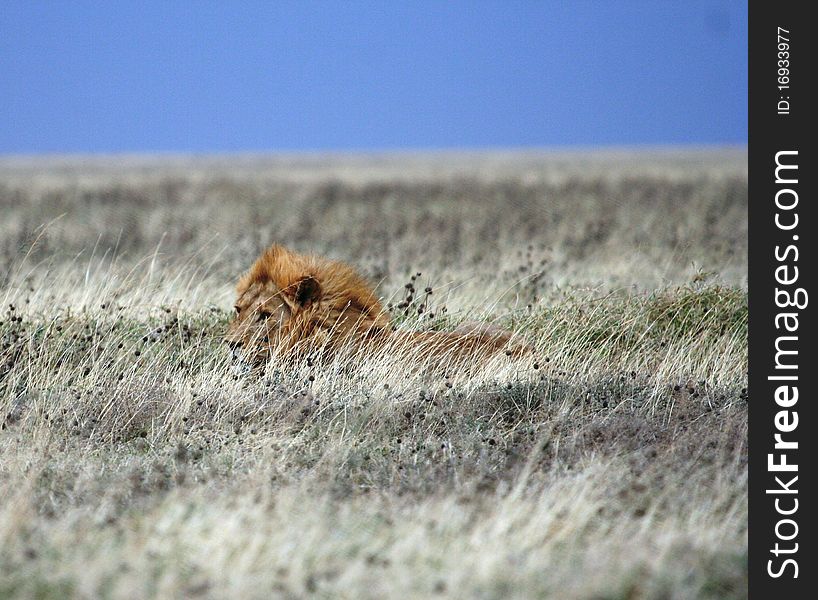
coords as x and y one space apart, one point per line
782 523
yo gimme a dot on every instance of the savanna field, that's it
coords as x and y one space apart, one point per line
137 461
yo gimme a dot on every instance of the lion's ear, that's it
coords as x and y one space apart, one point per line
306 291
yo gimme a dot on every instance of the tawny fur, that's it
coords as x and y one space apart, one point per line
289 303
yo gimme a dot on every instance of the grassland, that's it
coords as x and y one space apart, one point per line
137 462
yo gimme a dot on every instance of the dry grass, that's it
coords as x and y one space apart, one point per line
136 462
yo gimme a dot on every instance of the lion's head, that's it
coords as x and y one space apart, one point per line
288 301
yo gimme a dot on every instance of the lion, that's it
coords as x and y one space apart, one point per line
291 304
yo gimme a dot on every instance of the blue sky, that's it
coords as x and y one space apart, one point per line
303 76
